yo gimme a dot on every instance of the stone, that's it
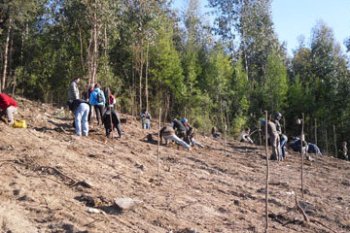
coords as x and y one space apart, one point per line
126 203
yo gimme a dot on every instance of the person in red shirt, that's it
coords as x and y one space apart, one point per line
8 106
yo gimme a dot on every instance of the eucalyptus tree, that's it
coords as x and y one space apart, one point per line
15 17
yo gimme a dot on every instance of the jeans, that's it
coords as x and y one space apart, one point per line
283 143
195 143
81 119
99 113
9 112
176 139
147 124
276 148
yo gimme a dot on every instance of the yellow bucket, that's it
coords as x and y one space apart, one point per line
20 124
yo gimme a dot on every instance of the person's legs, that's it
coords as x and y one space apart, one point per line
195 143
274 144
179 141
100 109
90 113
10 111
97 114
147 124
78 118
85 119
283 143
116 122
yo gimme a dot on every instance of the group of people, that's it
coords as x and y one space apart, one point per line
181 132
102 101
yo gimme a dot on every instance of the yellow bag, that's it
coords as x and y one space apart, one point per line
20 124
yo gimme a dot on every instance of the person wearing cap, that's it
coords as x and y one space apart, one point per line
283 137
274 140
190 133
8 107
168 133
180 129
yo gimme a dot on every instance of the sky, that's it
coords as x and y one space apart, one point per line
293 18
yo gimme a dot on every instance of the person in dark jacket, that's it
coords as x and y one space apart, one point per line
283 137
180 129
111 121
80 109
313 148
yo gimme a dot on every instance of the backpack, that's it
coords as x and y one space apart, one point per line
99 97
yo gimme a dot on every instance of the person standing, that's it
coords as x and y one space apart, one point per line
146 120
274 140
8 107
73 91
345 151
111 121
80 109
283 137
98 100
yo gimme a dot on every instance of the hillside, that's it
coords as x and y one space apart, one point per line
49 180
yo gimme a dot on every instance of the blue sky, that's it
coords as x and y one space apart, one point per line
293 18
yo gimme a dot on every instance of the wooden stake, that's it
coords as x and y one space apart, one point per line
159 120
315 131
335 142
267 176
326 138
302 139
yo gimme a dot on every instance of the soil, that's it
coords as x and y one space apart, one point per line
52 181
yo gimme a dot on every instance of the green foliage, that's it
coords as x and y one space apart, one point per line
209 78
275 84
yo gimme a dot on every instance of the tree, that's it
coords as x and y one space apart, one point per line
15 16
275 85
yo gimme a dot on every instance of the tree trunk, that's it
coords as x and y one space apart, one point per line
147 64
7 45
90 57
95 53
315 131
81 49
105 40
335 142
326 138
246 67
10 73
141 74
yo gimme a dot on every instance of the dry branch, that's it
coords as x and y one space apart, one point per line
306 218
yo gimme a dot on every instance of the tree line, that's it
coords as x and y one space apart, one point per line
152 57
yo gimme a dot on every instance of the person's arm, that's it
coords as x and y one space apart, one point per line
76 90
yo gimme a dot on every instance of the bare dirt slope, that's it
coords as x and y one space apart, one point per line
45 174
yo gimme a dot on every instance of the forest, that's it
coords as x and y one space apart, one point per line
153 57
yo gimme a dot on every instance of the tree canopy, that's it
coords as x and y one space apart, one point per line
152 57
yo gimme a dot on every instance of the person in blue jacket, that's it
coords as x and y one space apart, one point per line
98 100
